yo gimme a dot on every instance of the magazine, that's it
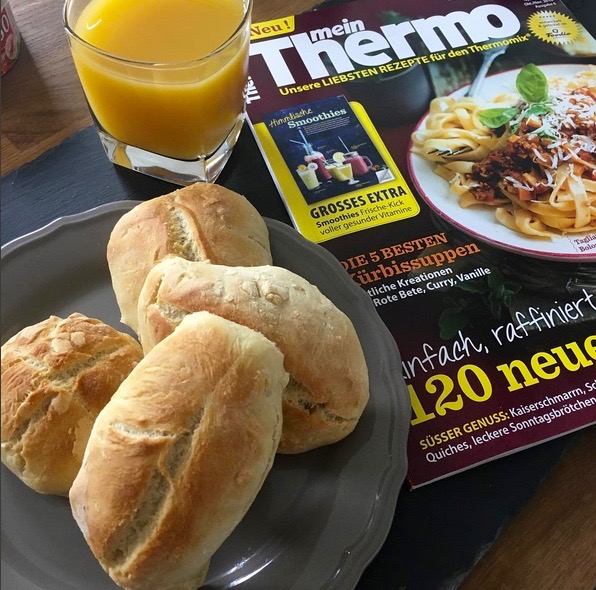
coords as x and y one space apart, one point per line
445 153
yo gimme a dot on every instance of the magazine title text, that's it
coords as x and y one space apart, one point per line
362 47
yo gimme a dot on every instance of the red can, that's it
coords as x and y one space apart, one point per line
10 38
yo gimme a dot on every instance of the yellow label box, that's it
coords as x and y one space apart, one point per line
352 211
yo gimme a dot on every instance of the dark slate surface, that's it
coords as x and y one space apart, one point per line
439 531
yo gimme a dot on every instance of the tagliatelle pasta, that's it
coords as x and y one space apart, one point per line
537 169
454 133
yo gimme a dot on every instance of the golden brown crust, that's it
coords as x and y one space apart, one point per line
56 377
177 456
199 222
329 378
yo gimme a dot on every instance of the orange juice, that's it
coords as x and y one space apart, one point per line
157 81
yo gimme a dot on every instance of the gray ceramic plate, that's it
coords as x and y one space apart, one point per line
320 517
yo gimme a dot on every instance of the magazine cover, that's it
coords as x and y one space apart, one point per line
445 153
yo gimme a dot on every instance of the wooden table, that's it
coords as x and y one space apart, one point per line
549 544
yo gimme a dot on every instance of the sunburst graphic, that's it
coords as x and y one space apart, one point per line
553 27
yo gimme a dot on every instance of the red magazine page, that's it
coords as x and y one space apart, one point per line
445 153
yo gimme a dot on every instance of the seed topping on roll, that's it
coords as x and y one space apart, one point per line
56 377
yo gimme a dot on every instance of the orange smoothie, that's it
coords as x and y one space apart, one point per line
156 93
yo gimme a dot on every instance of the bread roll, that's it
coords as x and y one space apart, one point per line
328 389
178 455
199 222
56 377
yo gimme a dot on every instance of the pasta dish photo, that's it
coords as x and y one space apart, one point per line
527 155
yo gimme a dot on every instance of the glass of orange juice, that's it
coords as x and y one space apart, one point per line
165 80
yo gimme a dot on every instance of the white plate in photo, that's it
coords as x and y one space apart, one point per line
480 222
320 516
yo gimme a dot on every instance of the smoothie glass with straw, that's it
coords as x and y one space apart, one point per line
313 156
360 164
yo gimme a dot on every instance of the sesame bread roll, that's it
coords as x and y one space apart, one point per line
199 222
57 375
328 388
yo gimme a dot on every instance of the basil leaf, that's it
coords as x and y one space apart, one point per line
548 134
495 118
531 83
538 109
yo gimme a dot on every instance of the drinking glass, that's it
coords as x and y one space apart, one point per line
309 176
173 120
342 171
